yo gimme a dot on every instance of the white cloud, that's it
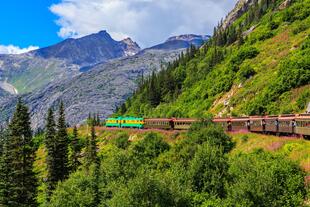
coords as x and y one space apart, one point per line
11 49
146 21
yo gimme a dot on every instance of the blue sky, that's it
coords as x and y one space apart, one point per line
32 24
28 22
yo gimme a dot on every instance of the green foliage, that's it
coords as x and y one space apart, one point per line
293 72
245 73
17 180
244 138
145 190
51 159
75 150
303 100
194 171
213 134
244 53
149 148
121 141
208 170
91 149
261 179
62 143
78 190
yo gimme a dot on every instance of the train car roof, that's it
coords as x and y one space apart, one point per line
221 119
256 117
240 119
185 120
157 119
287 117
271 117
303 117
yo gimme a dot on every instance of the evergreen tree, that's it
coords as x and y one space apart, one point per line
62 146
18 182
98 120
50 144
91 149
75 150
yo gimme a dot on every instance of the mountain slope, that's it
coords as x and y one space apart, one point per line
257 65
33 70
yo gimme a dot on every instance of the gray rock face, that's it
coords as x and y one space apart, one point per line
240 8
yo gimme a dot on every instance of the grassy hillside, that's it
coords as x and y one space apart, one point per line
259 65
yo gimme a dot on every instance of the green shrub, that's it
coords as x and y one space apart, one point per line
208 170
246 52
244 138
245 73
300 26
78 190
262 179
149 148
303 99
121 141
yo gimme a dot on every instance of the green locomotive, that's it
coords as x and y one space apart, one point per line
125 122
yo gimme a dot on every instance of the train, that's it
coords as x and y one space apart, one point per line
292 124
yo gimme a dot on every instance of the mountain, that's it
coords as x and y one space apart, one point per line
35 69
182 41
99 88
256 63
90 50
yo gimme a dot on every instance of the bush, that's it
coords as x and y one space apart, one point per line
262 179
244 138
272 25
145 190
299 27
78 190
121 141
303 100
208 170
245 73
247 52
149 148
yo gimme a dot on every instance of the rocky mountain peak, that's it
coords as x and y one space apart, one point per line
188 37
89 50
240 8
130 47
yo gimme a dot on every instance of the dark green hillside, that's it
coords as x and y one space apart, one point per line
260 64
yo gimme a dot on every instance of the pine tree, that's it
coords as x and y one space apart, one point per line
92 162
91 149
18 183
5 162
98 120
75 150
62 146
50 144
